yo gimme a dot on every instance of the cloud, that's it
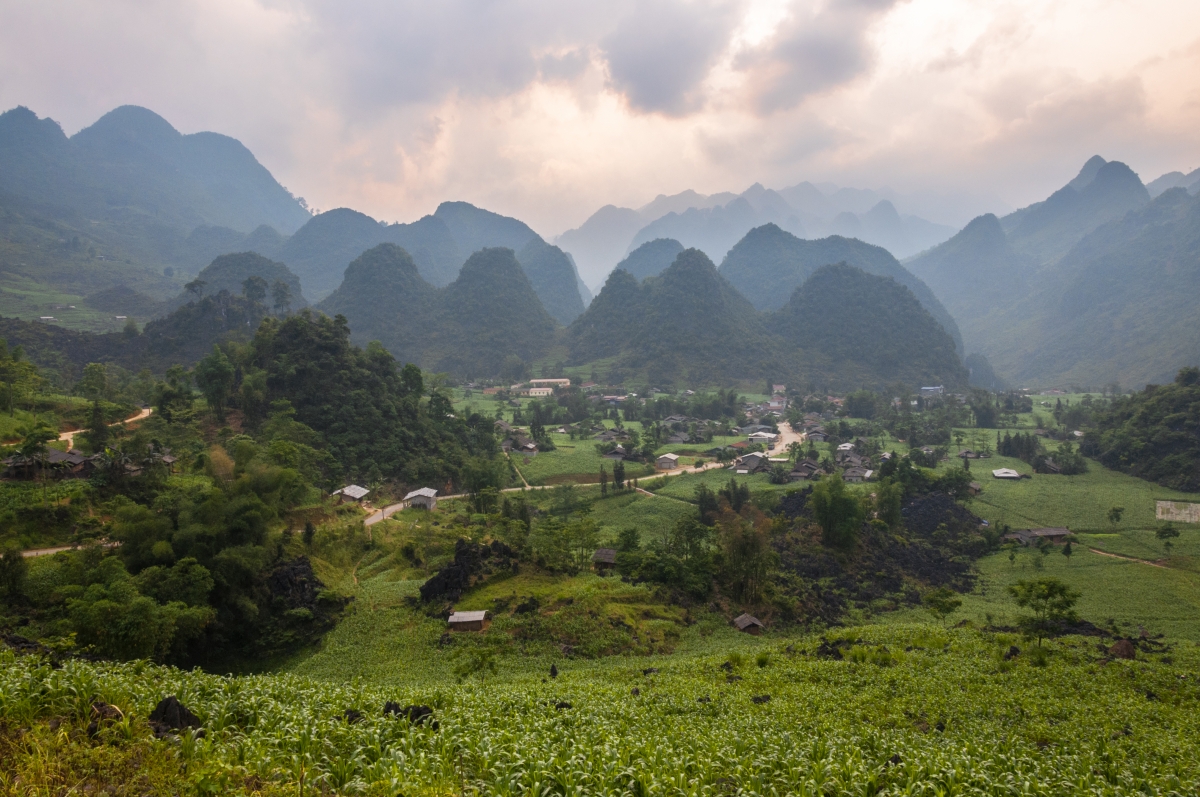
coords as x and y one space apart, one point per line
661 52
819 47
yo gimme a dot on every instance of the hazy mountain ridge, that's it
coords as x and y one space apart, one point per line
1087 287
689 325
769 263
469 327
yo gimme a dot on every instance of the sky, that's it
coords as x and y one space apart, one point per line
548 109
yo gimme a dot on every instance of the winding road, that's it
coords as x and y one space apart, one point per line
70 436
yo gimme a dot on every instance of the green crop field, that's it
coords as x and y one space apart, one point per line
906 710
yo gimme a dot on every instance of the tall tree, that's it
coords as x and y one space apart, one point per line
215 376
281 296
254 288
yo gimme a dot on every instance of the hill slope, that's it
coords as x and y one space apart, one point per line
228 272
769 263
651 258
867 329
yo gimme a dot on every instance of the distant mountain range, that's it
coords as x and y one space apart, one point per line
1094 285
714 223
841 328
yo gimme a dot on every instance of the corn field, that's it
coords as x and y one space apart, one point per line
905 711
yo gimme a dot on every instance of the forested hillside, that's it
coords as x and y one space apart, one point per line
769 263
651 258
841 328
866 328
470 327
1154 433
1090 287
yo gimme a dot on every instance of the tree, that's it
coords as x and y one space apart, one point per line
839 513
215 377
93 384
476 661
281 297
942 602
34 447
196 287
888 499
13 569
618 475
1114 515
1067 552
1051 601
254 288
97 432
1167 532
603 482
747 554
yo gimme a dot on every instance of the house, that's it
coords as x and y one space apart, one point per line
748 624
1027 537
761 437
753 462
857 475
551 383
604 559
805 470
1006 473
818 436
424 498
667 462
779 389
967 453
468 621
504 426
846 447
974 488
928 392
352 492
1050 466
617 453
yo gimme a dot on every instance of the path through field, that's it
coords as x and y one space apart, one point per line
1130 559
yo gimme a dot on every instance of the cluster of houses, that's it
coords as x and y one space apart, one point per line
76 464
776 405
516 440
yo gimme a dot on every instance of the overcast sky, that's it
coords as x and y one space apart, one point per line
548 110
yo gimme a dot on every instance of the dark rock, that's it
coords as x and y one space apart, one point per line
1012 653
940 727
895 760
553 671
649 671
1123 649
417 715
760 699
635 691
470 561
352 716
705 699
102 714
732 679
562 704
171 716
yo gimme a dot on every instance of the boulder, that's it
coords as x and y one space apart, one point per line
171 716
1123 649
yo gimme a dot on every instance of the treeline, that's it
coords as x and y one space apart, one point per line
1153 433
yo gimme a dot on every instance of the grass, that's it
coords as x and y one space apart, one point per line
29 300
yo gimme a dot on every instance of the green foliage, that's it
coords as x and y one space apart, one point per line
215 376
942 602
1051 601
839 512
1152 434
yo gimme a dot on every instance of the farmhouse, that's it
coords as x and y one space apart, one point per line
748 624
424 498
352 492
974 488
667 462
752 462
468 621
551 383
804 470
1027 537
857 475
604 559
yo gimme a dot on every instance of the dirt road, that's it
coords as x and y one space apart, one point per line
70 436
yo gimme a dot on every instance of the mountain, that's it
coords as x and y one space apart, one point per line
384 298
687 324
475 228
651 258
769 263
320 250
715 230
1190 181
133 163
841 329
228 272
1101 192
554 279
490 312
974 271
1086 288
867 329
601 241
1120 306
